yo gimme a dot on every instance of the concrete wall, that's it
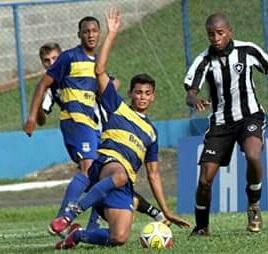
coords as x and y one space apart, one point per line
57 22
21 155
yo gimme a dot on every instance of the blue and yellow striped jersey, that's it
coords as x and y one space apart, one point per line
127 136
74 72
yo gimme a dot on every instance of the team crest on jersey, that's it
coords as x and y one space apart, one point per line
85 147
252 127
238 67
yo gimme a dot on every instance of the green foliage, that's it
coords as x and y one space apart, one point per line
23 230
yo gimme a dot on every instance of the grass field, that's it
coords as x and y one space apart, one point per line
23 230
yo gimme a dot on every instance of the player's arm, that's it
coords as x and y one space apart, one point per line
39 92
192 100
155 182
41 117
113 19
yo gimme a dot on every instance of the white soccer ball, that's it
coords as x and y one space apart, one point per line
156 235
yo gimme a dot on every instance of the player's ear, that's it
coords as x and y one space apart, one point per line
78 35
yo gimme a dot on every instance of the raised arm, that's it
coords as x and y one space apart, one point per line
113 20
39 92
155 182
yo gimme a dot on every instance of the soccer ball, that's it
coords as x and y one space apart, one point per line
156 235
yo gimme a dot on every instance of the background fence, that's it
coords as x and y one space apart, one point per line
156 38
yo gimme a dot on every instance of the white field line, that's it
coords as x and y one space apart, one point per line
31 185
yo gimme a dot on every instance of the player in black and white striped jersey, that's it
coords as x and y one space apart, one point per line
237 116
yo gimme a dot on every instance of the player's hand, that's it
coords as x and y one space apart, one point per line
177 220
113 19
29 126
201 105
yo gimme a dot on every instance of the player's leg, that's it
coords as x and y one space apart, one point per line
81 143
203 197
219 142
252 143
119 215
117 234
143 206
113 176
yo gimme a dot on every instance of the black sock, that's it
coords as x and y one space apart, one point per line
254 193
202 216
143 206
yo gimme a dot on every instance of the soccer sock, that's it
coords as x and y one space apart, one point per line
143 206
97 193
253 192
93 220
202 206
76 187
99 236
202 216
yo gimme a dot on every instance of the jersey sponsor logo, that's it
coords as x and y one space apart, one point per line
86 147
252 127
238 67
137 143
210 151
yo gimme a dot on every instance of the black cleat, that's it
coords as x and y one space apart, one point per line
200 232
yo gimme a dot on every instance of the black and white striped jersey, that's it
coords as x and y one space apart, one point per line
232 89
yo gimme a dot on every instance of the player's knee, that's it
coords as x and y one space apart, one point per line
119 239
120 179
253 155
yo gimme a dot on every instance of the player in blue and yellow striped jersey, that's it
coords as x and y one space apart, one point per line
128 140
73 72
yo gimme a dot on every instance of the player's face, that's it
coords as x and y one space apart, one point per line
50 58
141 97
219 35
89 35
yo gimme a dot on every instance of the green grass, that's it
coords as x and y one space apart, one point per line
155 46
23 230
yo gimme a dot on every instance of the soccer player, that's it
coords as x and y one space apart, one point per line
48 54
237 116
128 140
73 72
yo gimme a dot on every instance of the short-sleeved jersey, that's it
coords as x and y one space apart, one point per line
74 72
230 80
51 96
127 136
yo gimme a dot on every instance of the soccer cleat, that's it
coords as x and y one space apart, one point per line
254 219
58 225
200 231
68 242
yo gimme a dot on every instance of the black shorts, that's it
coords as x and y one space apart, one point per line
220 139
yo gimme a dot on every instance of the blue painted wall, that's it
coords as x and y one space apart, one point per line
21 155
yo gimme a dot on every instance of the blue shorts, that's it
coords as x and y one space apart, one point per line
80 140
119 198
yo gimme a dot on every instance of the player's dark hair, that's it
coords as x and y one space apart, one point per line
216 17
47 48
142 79
88 19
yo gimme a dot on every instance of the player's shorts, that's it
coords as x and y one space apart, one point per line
119 198
220 139
80 140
